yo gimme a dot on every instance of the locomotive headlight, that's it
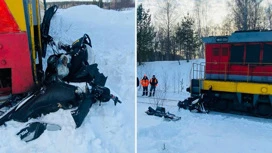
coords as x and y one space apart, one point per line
264 90
3 62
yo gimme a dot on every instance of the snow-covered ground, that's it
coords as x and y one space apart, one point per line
194 133
107 128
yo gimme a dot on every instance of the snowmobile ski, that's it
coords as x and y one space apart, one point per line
34 130
171 117
7 115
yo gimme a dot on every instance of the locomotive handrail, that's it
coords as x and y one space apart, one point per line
239 63
225 69
198 71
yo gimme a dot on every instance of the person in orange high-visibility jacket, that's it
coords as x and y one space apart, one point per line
145 83
153 83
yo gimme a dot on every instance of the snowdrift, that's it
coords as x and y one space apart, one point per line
194 132
107 128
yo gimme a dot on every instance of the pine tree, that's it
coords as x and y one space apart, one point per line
187 38
145 35
101 4
179 39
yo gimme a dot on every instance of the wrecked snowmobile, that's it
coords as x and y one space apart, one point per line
160 112
73 66
197 104
31 92
55 93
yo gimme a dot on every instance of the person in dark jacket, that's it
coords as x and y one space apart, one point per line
153 83
138 82
145 83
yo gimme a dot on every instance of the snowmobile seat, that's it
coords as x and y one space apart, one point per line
150 111
160 109
160 112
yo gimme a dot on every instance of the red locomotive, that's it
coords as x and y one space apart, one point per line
20 46
238 72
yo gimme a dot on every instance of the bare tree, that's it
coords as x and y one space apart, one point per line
160 39
176 81
159 98
181 85
269 16
201 19
246 14
165 82
165 18
228 26
179 76
174 78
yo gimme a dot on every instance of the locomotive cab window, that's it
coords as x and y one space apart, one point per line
237 54
253 53
215 51
225 52
267 53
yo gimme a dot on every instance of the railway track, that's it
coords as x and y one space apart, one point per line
161 101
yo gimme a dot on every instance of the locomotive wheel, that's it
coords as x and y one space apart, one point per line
264 110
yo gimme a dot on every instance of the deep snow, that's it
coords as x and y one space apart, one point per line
194 133
107 128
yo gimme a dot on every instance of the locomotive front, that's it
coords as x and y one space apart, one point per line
238 72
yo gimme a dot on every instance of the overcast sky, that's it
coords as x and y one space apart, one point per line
76 0
217 11
72 0
217 8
